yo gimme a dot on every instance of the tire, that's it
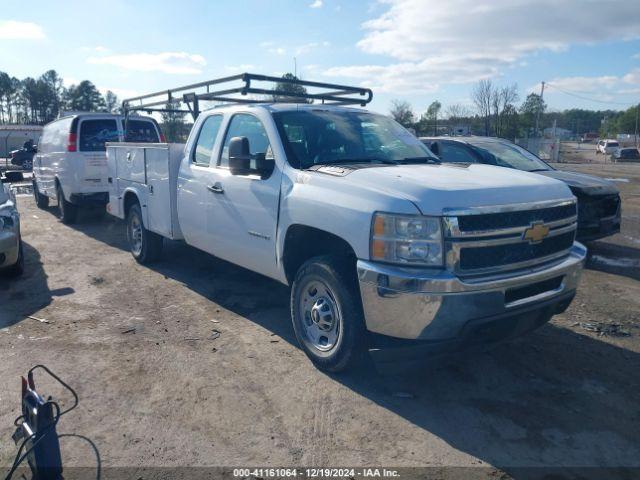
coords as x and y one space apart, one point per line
17 269
27 164
326 311
42 201
68 211
145 246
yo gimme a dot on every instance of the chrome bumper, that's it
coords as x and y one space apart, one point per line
9 248
436 305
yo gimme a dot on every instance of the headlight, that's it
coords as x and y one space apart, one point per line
406 239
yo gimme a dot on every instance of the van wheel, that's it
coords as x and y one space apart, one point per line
326 311
18 268
42 201
67 210
27 165
146 246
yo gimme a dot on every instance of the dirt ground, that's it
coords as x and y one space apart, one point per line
159 387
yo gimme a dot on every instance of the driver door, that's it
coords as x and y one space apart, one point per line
242 216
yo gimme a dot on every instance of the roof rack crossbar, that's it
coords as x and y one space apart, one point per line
332 93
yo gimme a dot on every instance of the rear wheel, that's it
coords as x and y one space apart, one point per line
67 210
27 164
146 246
42 201
327 314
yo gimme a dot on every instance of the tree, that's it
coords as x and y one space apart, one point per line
85 97
402 113
53 91
112 105
503 100
173 125
289 92
532 107
482 96
432 114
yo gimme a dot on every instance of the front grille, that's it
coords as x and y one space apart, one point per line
595 208
494 221
473 258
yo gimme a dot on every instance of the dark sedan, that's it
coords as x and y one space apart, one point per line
23 157
598 200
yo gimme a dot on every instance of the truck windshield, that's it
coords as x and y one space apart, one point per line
510 155
320 137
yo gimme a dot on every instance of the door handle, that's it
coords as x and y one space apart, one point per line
216 188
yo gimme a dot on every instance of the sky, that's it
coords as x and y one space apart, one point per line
588 52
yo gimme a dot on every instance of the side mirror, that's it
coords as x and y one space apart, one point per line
239 156
434 149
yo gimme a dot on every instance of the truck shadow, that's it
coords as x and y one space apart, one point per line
554 397
27 294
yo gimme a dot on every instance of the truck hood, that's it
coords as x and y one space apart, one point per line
581 183
434 189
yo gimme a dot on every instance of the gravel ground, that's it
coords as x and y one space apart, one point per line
159 387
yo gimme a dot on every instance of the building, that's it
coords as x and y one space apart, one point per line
13 137
557 132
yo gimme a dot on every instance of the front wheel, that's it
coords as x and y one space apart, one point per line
18 268
327 314
146 246
27 164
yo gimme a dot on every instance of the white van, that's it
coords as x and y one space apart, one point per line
71 163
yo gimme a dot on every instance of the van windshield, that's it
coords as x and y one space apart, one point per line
141 131
95 133
320 137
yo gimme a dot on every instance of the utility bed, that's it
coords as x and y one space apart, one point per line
150 171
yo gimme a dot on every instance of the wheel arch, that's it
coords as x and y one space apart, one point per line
303 242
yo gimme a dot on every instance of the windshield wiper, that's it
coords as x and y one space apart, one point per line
358 160
421 159
539 170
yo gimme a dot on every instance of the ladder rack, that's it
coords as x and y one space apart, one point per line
237 88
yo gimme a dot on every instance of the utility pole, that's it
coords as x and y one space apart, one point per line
636 131
295 67
538 113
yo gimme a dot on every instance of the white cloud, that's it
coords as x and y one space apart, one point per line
604 88
467 41
307 47
636 56
121 93
165 62
15 30
316 4
244 67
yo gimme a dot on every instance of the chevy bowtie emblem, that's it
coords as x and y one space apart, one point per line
536 233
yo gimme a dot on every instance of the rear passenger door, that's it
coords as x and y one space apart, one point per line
194 198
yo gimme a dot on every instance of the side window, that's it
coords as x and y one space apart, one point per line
206 139
142 131
450 152
245 125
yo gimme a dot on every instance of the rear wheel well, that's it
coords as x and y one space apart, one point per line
302 243
130 199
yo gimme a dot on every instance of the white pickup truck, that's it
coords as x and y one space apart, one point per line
384 248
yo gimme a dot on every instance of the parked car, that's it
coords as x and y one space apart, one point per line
71 163
599 202
11 251
607 147
629 154
23 157
383 246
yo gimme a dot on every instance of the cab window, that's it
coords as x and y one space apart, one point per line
206 140
245 125
141 131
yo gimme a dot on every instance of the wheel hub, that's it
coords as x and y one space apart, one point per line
320 316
